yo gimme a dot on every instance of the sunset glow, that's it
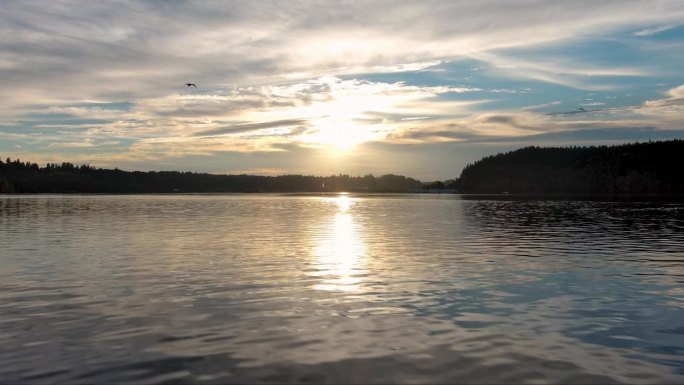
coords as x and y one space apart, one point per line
414 88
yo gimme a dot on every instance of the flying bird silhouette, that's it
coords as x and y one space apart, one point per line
191 84
573 112
581 110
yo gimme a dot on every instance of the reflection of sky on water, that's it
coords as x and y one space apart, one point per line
432 287
339 250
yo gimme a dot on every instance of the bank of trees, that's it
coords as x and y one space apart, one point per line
639 168
25 177
652 167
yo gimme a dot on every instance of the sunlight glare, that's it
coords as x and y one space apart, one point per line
341 123
344 203
340 252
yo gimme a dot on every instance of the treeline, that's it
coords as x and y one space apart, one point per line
640 168
26 177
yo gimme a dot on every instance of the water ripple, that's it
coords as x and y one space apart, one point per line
350 289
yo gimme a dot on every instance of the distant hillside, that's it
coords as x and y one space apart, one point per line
653 167
26 177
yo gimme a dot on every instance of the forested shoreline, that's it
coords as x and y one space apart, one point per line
638 168
26 177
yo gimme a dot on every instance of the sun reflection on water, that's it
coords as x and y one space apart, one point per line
340 250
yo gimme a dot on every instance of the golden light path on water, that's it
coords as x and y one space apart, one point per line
339 250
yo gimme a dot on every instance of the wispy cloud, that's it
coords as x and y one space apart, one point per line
544 105
247 127
653 30
559 70
86 143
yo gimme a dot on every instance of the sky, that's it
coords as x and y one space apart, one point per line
416 88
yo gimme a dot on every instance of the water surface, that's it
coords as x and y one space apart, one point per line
350 289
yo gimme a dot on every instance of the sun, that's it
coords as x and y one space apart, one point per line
339 136
340 125
342 114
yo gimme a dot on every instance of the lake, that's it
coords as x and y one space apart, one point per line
339 289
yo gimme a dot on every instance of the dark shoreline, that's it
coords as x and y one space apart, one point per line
633 197
628 197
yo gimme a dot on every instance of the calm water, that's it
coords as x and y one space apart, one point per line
351 289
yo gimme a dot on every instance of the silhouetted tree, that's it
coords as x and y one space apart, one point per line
653 167
66 177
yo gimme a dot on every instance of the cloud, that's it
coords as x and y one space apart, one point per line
86 143
666 115
677 92
593 104
247 127
676 98
471 128
544 105
132 49
323 112
653 30
558 70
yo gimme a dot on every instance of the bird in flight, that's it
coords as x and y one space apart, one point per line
580 110
577 111
191 85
